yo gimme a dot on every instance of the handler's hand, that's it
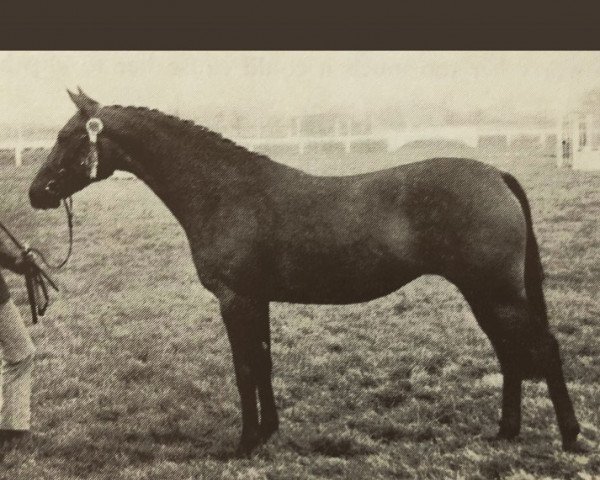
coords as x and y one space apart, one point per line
19 264
23 264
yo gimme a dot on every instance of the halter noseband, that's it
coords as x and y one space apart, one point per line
93 126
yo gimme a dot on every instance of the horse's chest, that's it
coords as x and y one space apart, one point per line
225 251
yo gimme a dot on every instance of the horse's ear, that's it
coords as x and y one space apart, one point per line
72 96
85 104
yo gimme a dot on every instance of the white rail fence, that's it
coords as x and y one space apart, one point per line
392 139
19 145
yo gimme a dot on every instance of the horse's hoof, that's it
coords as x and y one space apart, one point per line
577 446
507 433
242 451
247 445
501 436
569 439
497 438
494 438
267 430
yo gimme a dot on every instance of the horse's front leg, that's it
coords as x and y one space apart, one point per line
241 316
269 421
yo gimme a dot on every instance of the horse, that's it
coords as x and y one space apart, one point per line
260 232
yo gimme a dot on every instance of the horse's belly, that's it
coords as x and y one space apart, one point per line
328 283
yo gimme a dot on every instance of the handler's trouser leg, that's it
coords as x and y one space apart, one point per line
18 353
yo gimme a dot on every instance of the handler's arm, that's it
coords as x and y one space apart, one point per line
11 259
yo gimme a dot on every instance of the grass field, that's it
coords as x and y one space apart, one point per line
134 377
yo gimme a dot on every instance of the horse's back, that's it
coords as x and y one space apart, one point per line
374 232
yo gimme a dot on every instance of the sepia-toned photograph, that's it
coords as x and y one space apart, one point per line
300 265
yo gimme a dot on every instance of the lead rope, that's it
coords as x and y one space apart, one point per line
68 204
36 279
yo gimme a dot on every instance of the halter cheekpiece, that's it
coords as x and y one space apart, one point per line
93 126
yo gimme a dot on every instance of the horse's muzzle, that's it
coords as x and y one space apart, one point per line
45 196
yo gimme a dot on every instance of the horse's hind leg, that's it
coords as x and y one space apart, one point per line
505 320
549 357
526 349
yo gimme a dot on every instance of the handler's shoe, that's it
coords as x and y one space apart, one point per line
12 436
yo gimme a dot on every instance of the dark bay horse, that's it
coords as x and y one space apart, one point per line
260 232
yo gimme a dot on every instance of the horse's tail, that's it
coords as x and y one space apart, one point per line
534 272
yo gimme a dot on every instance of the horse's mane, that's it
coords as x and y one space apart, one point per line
201 132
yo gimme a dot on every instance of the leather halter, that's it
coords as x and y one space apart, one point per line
94 127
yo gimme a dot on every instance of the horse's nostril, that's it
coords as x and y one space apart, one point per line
50 186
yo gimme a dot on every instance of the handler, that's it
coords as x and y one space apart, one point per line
17 352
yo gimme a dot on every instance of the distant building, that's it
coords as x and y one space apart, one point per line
578 141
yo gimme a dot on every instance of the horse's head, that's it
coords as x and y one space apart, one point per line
83 153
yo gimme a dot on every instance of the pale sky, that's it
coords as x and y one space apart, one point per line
32 84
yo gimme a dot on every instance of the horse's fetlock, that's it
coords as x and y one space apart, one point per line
268 427
509 428
249 440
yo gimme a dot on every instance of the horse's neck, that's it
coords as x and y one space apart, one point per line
188 174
